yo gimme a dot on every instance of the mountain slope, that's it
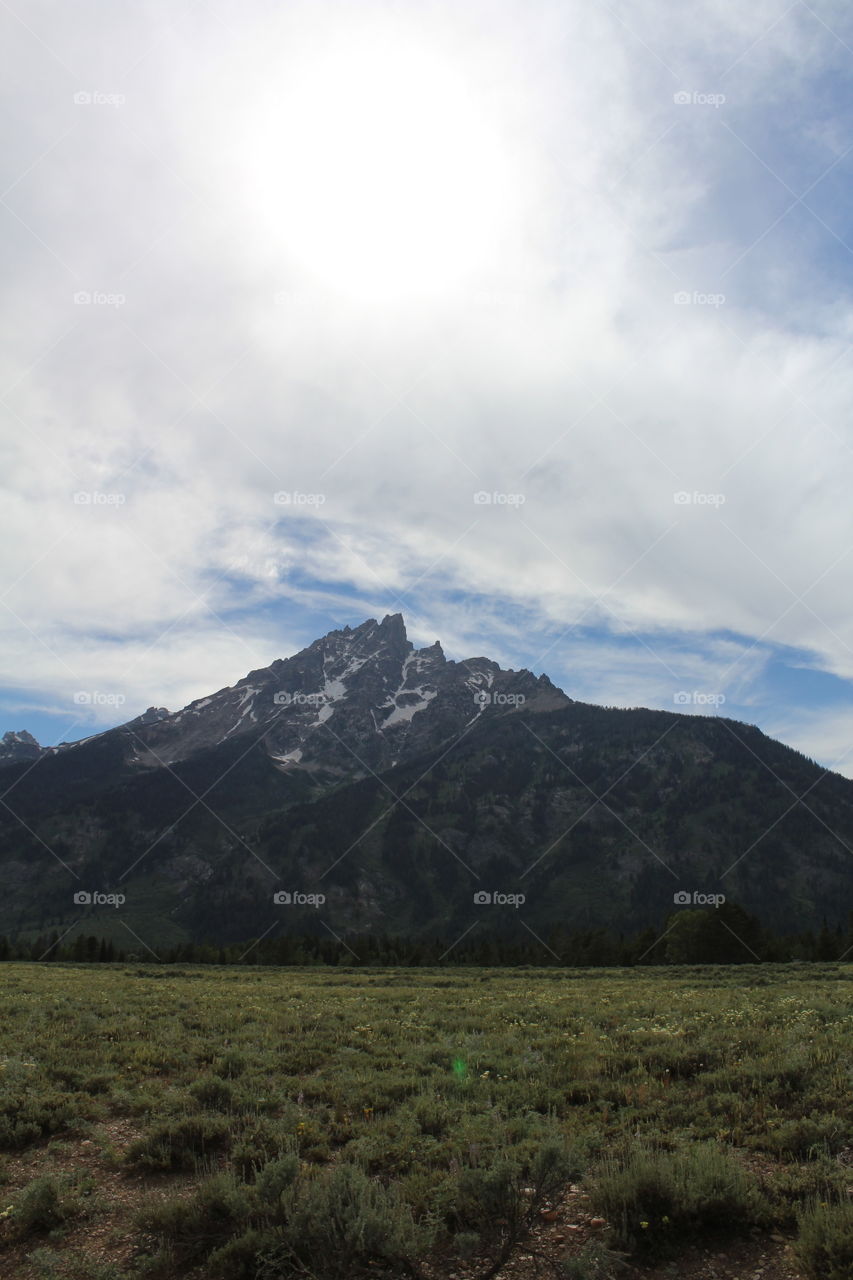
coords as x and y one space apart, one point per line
398 784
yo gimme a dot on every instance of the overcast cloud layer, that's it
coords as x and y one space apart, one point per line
604 431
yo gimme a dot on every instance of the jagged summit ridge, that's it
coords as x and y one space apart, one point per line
360 698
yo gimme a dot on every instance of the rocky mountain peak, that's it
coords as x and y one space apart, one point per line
18 745
359 698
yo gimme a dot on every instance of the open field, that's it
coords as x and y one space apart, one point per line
255 1123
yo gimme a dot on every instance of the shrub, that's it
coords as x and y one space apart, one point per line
179 1144
793 1187
824 1247
230 1065
276 1177
432 1115
191 1229
339 1224
654 1199
501 1202
804 1137
238 1259
40 1207
213 1092
256 1146
26 1116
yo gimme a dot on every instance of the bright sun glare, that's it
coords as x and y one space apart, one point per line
383 175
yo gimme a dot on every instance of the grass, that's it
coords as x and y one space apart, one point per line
333 1121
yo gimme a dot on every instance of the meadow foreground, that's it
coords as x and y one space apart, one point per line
256 1123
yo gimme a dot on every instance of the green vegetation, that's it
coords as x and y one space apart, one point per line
258 1124
825 1245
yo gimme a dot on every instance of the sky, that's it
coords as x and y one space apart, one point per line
529 320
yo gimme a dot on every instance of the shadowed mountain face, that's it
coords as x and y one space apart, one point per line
399 785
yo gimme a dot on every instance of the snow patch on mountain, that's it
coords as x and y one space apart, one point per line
247 710
402 714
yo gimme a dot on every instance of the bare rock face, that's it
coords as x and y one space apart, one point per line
356 701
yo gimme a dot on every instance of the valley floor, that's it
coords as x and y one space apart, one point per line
449 1124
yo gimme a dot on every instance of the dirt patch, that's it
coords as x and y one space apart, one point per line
107 1233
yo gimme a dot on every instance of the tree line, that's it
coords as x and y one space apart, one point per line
706 935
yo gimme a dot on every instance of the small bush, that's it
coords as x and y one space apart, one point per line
26 1116
230 1065
339 1224
276 1177
432 1115
824 1247
238 1259
191 1229
501 1201
40 1207
256 1146
653 1200
179 1144
805 1137
213 1092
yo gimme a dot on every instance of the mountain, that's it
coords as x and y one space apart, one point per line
18 746
398 784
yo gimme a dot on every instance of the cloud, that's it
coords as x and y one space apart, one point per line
643 329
